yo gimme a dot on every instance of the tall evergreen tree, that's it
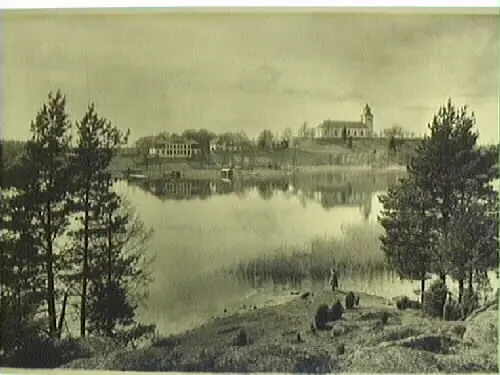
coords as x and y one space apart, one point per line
45 188
98 141
119 267
21 275
407 239
452 177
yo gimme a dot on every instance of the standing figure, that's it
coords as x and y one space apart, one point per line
333 281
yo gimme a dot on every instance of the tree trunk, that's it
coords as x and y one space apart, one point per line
422 290
85 271
471 282
460 290
109 321
63 313
51 300
442 277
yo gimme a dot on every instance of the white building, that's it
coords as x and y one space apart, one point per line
175 149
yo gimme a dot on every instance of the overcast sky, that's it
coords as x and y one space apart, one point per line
169 72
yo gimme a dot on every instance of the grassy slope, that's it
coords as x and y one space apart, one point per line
409 342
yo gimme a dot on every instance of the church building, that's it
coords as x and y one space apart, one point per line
356 129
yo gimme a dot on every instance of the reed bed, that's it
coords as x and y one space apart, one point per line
355 253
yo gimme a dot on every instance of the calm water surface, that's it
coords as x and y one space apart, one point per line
203 226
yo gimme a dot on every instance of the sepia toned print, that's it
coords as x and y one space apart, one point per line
307 191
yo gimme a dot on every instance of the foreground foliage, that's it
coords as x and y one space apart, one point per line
66 235
442 219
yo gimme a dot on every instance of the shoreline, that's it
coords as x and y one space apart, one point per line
213 173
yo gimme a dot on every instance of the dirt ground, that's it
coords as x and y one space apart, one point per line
280 338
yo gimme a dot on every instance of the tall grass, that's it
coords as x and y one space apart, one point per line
355 252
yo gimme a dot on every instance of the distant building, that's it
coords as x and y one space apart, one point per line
175 148
357 129
218 145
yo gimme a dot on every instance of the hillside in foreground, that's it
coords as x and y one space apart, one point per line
407 342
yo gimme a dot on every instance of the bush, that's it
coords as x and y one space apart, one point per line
336 311
402 303
405 302
242 338
42 352
435 298
384 317
321 317
350 299
340 349
470 302
452 311
458 330
413 305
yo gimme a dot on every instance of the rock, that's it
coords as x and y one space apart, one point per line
335 312
305 295
482 329
322 316
390 360
434 343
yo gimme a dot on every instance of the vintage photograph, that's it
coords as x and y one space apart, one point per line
250 190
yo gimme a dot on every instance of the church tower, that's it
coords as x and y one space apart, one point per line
367 118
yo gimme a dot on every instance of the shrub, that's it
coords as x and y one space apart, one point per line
470 302
384 318
336 311
435 298
321 317
402 303
458 330
452 311
350 299
242 338
413 305
340 349
36 352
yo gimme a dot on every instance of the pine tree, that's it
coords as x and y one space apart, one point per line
451 168
452 177
21 281
119 268
407 240
45 189
97 143
471 248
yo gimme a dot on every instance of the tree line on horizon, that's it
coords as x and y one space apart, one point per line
68 238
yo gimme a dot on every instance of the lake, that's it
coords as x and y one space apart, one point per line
203 227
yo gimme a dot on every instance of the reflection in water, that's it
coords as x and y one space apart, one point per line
327 189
